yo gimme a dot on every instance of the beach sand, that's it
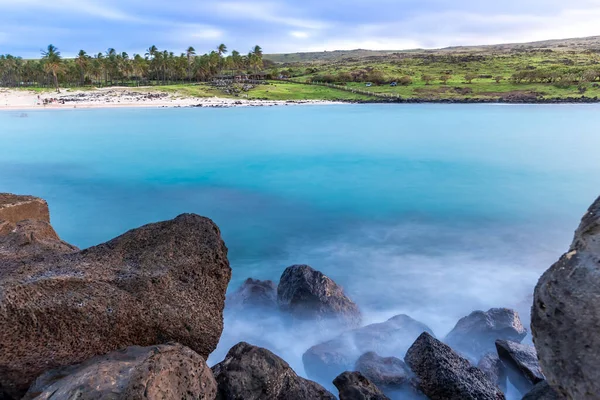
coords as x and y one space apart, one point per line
113 97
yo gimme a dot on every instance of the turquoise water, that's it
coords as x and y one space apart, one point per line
432 210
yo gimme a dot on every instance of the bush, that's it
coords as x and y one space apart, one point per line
445 78
469 77
405 81
427 78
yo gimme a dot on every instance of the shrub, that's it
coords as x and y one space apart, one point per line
469 77
427 78
405 81
445 78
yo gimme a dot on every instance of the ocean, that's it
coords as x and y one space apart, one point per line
429 210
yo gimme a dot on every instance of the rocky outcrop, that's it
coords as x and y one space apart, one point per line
254 294
159 283
253 373
383 371
167 371
310 295
492 366
542 391
15 208
521 364
475 335
443 374
355 386
565 317
327 360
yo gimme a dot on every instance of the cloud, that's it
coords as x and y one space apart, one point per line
299 34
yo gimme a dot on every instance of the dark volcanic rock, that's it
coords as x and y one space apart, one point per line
309 294
327 360
159 283
443 374
491 365
158 372
565 317
521 364
253 373
475 335
383 371
355 386
254 294
542 391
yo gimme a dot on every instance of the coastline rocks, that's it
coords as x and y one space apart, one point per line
159 283
307 294
383 371
253 373
542 391
443 374
475 335
566 314
15 208
254 293
327 360
492 366
521 364
355 386
158 372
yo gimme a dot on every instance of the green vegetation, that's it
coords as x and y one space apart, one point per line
280 90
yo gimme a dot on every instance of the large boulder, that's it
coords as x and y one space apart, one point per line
254 294
521 364
542 391
167 371
565 317
383 371
327 360
307 294
475 335
253 373
159 283
443 374
355 386
492 366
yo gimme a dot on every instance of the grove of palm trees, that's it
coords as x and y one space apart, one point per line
155 67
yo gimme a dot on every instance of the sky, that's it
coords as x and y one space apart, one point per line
27 26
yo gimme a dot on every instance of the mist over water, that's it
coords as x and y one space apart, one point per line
432 211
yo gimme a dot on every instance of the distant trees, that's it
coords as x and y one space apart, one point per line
52 63
445 78
427 78
469 77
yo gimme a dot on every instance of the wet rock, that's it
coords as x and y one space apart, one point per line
253 373
355 386
491 365
521 364
542 391
565 317
157 372
327 360
310 295
475 335
443 374
159 283
254 294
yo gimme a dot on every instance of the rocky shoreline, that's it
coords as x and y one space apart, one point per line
138 316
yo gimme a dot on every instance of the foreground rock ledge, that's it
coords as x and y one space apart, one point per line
159 283
565 317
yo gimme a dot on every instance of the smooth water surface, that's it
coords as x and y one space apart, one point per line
430 210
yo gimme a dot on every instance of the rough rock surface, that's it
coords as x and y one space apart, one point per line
310 295
15 208
491 365
158 372
474 335
355 386
254 293
542 391
521 364
159 283
443 374
565 317
383 371
327 360
253 373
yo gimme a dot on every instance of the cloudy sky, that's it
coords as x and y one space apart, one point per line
285 25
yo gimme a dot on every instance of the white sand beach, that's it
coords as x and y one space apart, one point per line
11 99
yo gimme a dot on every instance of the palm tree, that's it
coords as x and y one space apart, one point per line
222 49
191 52
52 63
151 52
257 51
82 61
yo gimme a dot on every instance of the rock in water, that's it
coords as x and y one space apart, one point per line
254 294
542 391
157 372
355 386
475 335
521 364
443 374
565 317
159 283
308 294
383 371
253 373
327 360
491 365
